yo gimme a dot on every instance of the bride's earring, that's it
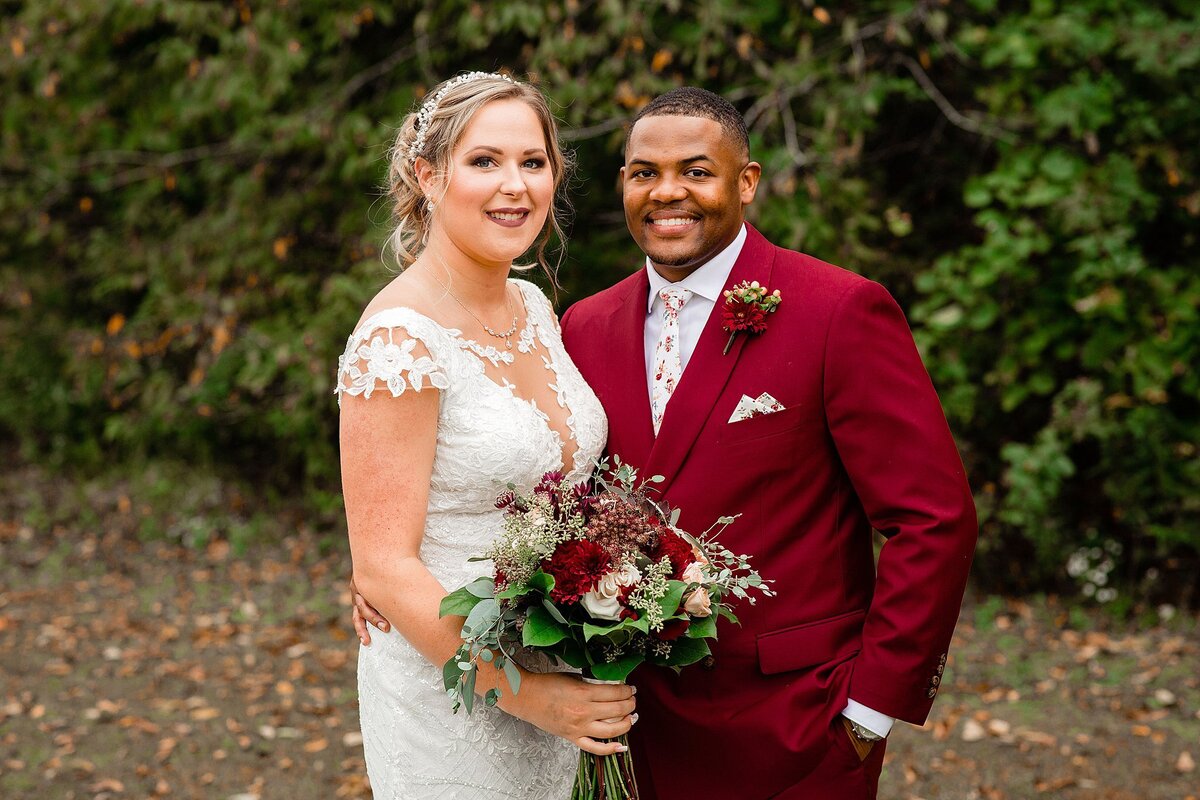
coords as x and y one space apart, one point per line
429 203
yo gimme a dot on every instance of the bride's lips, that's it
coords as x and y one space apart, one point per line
672 222
508 217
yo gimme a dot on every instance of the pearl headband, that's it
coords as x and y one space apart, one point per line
425 115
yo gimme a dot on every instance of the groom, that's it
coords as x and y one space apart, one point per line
797 701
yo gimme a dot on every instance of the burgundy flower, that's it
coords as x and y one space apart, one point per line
623 597
577 566
549 483
672 629
674 546
746 308
551 487
739 315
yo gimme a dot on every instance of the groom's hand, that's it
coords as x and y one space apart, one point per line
363 613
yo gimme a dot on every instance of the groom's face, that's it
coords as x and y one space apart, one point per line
685 185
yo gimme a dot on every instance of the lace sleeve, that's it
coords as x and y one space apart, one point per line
392 357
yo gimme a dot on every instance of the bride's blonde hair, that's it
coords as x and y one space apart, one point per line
433 133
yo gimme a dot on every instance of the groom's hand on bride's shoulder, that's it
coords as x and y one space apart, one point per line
362 613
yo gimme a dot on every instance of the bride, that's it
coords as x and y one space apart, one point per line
453 385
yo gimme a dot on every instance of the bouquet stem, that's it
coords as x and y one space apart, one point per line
605 777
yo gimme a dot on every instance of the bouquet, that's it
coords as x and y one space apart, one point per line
599 576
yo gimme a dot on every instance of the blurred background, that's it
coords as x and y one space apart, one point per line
191 222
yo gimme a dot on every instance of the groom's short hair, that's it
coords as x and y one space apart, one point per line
691 101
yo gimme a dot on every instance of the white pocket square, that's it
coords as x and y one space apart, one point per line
749 407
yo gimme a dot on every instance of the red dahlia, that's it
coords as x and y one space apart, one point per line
674 546
577 566
742 316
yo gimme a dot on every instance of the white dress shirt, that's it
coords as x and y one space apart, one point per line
706 284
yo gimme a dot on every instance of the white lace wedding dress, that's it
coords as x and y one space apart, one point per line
487 437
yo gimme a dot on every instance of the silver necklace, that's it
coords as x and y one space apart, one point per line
505 335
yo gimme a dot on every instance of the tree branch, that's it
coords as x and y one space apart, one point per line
948 110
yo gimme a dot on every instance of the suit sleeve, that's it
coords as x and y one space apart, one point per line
564 320
896 447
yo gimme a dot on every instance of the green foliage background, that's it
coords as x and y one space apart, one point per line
189 223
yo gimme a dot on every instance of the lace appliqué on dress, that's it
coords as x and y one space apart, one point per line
496 357
390 363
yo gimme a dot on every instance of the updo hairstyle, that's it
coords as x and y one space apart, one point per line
450 118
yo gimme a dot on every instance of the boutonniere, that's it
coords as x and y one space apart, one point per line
746 308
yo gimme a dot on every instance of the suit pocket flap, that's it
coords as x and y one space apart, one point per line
810 644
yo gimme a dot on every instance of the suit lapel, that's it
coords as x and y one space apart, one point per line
707 371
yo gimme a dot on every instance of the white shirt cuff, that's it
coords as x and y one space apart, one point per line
869 718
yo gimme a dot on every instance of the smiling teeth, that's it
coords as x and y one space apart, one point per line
509 216
674 222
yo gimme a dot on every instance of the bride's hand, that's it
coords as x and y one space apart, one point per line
363 613
581 713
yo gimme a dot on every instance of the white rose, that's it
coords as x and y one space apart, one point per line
693 574
697 603
604 602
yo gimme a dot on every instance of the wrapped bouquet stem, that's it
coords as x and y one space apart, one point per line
599 576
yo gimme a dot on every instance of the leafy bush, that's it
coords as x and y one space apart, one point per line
1065 338
189 223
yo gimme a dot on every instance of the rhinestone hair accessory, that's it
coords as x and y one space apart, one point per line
425 115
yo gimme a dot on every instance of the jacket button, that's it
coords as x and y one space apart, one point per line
932 692
708 662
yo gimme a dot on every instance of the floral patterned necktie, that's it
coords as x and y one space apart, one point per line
668 365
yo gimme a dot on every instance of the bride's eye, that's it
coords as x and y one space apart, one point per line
484 161
535 163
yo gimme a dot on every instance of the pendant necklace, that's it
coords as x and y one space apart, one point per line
505 335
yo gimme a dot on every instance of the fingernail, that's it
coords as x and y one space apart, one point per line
633 718
635 690
362 639
385 627
621 748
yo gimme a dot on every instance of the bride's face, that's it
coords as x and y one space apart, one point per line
499 186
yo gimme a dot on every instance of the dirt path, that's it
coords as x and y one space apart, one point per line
132 669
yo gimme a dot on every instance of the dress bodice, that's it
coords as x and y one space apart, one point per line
488 435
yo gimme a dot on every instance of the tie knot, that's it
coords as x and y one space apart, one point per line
674 298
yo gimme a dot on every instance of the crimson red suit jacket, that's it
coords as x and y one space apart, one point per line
862 444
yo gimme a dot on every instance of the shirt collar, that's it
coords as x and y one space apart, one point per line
709 278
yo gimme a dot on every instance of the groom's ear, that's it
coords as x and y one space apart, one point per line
748 182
